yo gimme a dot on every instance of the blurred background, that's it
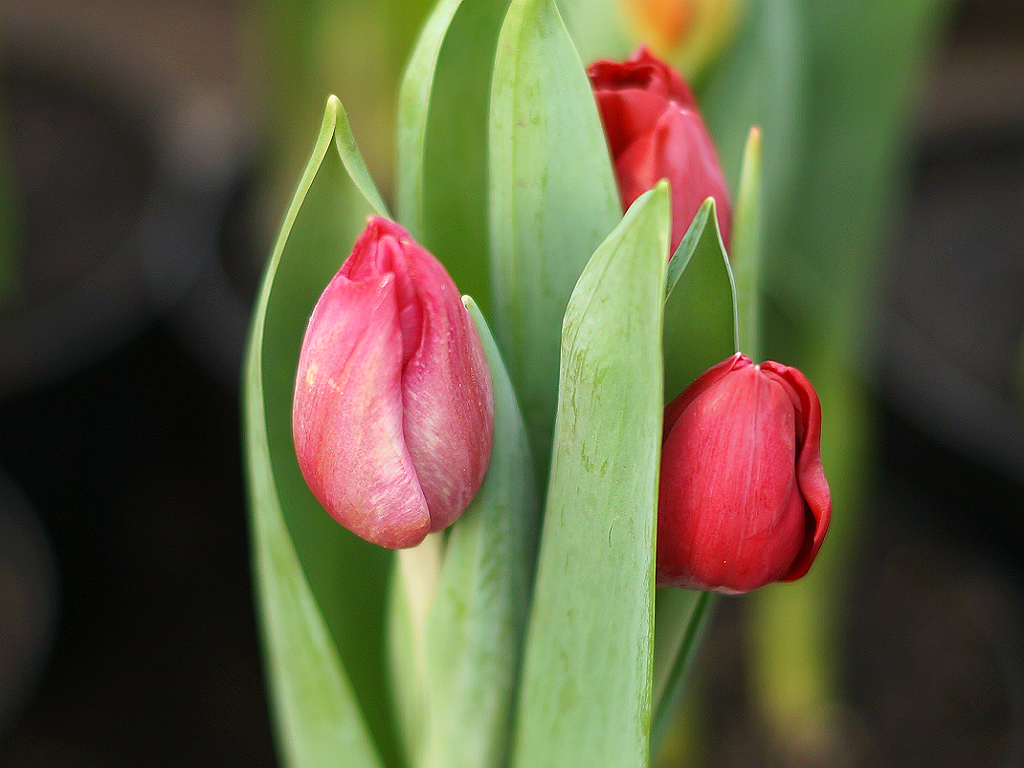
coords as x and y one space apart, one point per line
147 150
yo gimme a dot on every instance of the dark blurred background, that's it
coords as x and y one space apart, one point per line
133 144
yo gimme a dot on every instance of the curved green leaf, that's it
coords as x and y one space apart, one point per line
442 138
477 621
700 325
586 690
553 200
598 28
358 173
320 589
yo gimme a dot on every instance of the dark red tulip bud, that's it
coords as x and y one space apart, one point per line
655 132
743 500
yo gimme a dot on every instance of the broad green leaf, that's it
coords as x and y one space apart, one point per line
442 138
553 200
700 326
478 617
320 589
586 690
598 28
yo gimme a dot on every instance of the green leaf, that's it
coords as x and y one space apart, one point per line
745 259
478 617
598 28
320 589
700 328
413 103
553 200
442 138
358 174
316 712
586 692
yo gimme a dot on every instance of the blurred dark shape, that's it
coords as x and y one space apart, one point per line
28 600
952 319
120 350
80 171
956 312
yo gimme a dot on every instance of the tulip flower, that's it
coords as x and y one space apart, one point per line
687 33
655 132
393 414
743 499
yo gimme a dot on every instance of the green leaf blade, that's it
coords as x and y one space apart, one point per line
411 127
478 618
700 324
442 149
745 258
317 715
553 200
586 692
319 588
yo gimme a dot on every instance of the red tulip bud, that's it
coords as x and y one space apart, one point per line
743 499
655 132
393 414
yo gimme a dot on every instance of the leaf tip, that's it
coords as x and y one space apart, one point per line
754 137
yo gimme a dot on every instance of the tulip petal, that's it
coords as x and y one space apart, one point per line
393 415
627 114
347 416
676 148
655 132
809 469
447 394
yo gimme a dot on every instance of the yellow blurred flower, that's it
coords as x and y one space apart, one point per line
686 33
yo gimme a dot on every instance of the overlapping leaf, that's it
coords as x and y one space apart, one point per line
442 138
478 617
552 199
320 589
586 696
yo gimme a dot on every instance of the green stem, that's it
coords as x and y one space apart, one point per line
683 617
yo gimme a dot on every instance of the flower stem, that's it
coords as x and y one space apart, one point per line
682 619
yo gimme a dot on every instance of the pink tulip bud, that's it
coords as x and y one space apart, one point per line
743 499
393 414
655 132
